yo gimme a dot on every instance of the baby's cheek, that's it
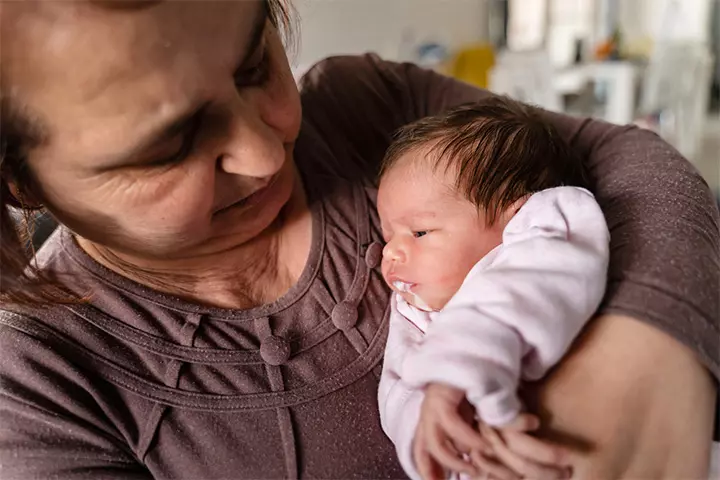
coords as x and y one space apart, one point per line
446 283
437 293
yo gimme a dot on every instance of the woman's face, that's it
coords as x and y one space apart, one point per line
168 130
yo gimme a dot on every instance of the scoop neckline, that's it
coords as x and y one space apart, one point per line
106 276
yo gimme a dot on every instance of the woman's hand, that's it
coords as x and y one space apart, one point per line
632 401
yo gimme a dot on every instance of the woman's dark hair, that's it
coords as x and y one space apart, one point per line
500 149
21 283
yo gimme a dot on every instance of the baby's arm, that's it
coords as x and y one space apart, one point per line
399 404
417 419
427 425
519 315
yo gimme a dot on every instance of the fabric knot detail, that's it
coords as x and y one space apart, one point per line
275 350
344 316
373 255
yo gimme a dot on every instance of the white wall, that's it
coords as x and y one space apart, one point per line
683 20
389 27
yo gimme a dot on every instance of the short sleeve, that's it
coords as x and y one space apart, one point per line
664 223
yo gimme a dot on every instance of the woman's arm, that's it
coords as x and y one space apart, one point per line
645 405
635 403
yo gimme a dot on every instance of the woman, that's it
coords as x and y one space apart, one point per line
212 307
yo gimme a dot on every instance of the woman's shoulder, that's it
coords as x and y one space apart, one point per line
342 71
352 105
35 353
25 339
350 110
52 411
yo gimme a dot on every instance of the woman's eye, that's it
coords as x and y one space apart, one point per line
256 74
180 154
420 233
177 150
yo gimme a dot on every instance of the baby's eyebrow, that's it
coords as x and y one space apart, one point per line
420 214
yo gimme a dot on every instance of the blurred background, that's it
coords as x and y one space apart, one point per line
650 62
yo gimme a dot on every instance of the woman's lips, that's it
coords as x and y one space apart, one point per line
254 198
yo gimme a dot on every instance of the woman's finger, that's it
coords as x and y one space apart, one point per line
519 464
490 468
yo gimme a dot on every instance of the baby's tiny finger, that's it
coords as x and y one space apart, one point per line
521 465
463 435
525 422
423 462
491 468
428 468
538 450
439 449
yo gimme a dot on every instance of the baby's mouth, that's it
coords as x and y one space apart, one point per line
403 287
412 297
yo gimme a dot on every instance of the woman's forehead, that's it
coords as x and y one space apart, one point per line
78 61
97 45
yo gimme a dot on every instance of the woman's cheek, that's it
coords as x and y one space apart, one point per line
182 204
188 210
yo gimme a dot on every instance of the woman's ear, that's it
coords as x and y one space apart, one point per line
22 198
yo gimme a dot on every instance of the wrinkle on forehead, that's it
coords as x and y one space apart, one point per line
97 74
97 47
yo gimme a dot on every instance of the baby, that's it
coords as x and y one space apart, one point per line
497 254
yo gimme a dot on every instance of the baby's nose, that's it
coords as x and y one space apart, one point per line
393 252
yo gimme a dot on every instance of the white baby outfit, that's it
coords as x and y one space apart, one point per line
513 318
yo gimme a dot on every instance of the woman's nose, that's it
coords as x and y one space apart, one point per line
251 147
394 251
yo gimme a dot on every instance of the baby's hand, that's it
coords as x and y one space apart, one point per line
527 456
445 433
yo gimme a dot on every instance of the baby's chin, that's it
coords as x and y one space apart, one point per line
418 302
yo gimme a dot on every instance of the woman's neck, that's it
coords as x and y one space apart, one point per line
254 273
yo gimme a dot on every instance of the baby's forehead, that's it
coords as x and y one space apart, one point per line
423 167
418 188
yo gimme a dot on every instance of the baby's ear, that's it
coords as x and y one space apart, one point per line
518 204
508 213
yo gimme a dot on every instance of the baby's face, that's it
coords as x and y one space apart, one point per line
433 235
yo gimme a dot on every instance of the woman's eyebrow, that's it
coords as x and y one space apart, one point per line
180 124
256 32
161 134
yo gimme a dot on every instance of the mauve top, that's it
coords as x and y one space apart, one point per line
138 384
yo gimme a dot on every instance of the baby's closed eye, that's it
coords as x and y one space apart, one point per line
420 233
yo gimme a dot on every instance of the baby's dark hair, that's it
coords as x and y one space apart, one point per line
502 150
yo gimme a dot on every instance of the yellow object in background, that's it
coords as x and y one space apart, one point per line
472 64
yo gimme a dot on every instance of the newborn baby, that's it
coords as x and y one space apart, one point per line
497 254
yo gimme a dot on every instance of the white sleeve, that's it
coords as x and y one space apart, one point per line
517 314
399 403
